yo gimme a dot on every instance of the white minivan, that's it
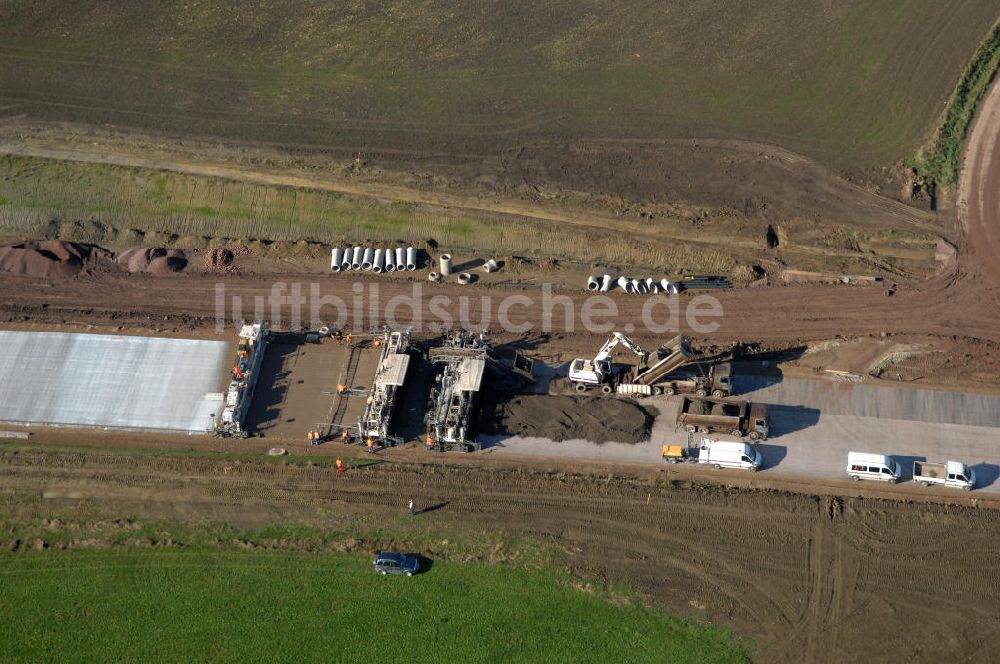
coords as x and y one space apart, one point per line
729 454
866 466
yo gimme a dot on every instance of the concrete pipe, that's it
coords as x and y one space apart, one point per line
606 283
411 258
638 286
592 283
464 278
345 260
651 286
336 258
624 284
356 257
368 258
669 287
490 266
390 260
400 258
378 261
434 276
445 265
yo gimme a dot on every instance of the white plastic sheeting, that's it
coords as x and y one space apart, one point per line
110 381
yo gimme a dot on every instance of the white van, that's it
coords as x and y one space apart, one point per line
865 466
729 454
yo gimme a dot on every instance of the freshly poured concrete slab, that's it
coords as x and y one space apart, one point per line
110 381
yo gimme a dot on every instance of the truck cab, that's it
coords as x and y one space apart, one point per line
721 378
758 422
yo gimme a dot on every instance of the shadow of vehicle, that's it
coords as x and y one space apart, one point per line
772 455
986 474
906 465
788 419
408 420
754 370
272 386
426 564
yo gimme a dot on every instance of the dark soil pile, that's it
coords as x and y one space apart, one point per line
51 258
597 419
158 261
221 259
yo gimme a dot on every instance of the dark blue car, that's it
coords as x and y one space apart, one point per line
388 562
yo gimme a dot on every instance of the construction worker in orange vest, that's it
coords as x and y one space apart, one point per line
371 446
430 443
340 465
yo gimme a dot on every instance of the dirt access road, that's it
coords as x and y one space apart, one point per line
827 579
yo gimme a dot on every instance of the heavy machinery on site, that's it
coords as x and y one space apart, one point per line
734 417
390 375
246 370
461 363
659 373
452 405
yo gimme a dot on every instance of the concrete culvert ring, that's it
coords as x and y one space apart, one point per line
277 451
434 276
465 278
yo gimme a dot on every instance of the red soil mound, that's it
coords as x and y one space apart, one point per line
158 261
50 258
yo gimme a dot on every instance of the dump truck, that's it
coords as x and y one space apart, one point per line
657 373
951 473
717 453
734 417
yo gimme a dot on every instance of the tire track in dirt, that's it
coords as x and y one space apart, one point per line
794 571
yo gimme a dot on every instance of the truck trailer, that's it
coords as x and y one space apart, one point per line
734 417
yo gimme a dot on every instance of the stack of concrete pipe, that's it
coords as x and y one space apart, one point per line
646 286
373 259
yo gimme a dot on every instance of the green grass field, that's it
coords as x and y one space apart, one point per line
253 606
854 84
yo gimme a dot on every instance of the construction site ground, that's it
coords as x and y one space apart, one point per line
297 389
810 565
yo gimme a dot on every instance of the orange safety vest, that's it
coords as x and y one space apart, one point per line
340 464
